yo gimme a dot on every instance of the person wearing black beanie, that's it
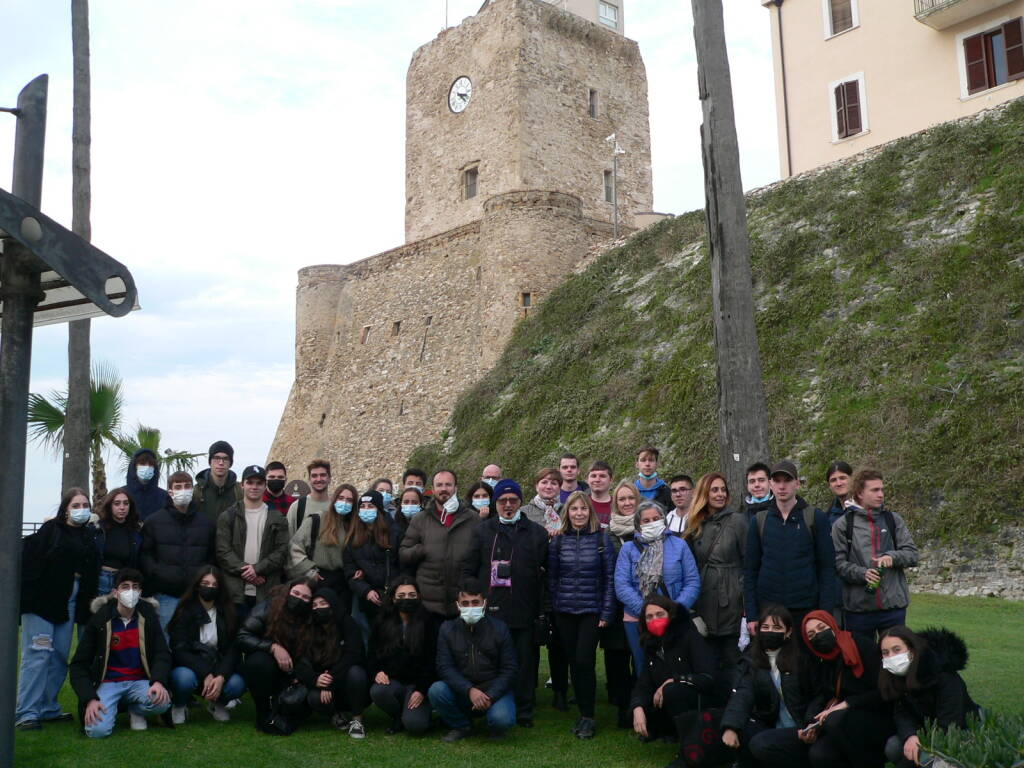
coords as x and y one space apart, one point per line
217 488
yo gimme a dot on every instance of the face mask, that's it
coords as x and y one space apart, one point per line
417 487
471 614
322 615
481 503
182 498
80 516
145 473
368 515
653 530
408 604
275 486
490 481
343 507
898 664
209 594
410 509
658 627
824 642
387 496
129 598
761 499
650 476
511 520
771 641
297 606
451 506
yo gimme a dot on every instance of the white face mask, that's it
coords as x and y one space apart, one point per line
451 506
897 664
129 598
652 530
182 498
80 516
145 472
471 614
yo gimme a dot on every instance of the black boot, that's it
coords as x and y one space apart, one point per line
559 702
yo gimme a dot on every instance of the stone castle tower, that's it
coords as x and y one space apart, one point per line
508 181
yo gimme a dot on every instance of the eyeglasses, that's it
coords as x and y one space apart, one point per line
220 460
508 502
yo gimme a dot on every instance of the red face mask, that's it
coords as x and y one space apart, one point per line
658 627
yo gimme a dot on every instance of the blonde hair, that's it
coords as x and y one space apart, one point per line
593 521
700 509
615 494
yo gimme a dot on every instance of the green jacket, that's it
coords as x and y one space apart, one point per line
212 500
231 531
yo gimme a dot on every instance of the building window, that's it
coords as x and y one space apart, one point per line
840 15
396 327
609 187
525 300
608 14
849 107
470 176
994 57
430 319
365 335
592 103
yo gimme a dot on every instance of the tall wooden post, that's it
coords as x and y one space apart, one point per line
742 413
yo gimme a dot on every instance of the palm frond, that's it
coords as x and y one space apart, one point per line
46 420
106 401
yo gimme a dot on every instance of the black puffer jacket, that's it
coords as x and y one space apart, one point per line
174 547
682 655
390 653
379 565
187 651
481 656
50 558
756 697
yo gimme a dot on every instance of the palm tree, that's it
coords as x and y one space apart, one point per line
149 437
47 419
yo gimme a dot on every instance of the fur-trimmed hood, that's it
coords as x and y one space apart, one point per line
102 600
946 652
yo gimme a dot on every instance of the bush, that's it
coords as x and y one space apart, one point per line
997 741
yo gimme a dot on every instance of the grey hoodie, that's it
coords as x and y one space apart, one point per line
893 591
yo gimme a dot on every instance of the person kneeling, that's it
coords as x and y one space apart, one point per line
476 661
122 657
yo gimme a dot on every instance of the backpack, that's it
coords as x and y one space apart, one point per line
314 534
890 521
762 516
300 513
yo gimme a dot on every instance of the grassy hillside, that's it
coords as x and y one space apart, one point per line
890 311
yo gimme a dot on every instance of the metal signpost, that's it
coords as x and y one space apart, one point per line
47 274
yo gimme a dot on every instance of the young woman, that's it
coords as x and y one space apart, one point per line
480 497
410 504
853 722
678 668
920 675
625 499
838 476
769 703
203 631
581 583
654 562
717 537
386 489
403 652
118 539
59 578
545 507
371 553
318 546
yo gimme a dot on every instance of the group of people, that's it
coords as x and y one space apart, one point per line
782 623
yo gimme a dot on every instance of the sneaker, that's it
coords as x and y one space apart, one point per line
29 725
178 715
232 704
576 727
340 721
587 728
356 730
220 713
63 717
395 727
138 722
456 734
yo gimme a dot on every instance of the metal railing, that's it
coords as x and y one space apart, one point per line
927 6
27 529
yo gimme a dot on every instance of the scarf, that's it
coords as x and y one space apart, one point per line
552 520
650 566
845 643
621 525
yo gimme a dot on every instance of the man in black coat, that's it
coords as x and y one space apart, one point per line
509 557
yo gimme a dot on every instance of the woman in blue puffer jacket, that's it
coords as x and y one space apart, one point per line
655 562
581 582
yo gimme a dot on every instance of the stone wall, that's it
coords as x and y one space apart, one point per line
992 567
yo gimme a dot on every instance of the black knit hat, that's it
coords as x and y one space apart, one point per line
222 446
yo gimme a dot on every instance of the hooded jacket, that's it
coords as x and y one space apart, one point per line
174 545
869 538
213 500
679 574
50 558
681 655
231 531
581 573
435 552
149 497
719 554
659 492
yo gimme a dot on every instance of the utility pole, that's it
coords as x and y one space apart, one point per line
742 413
616 151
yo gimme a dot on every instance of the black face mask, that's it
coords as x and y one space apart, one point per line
297 606
771 641
209 594
275 486
824 642
323 615
408 604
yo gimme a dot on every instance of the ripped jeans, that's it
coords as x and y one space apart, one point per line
44 664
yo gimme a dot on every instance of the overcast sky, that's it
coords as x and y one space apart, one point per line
236 142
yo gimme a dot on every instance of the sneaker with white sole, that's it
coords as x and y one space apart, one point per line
138 722
178 715
220 713
356 730
232 704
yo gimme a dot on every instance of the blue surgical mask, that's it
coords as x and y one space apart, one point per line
490 481
410 509
511 520
368 516
481 503
471 614
343 507
80 516
387 496
760 499
650 476
145 472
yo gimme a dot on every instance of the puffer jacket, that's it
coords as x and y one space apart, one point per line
436 552
871 537
756 697
149 497
231 529
50 558
719 551
681 655
679 574
174 546
581 573
379 565
481 656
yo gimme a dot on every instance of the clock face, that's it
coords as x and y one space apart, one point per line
460 94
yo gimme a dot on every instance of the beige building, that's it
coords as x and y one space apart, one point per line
852 74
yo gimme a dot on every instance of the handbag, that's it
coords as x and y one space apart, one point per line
700 734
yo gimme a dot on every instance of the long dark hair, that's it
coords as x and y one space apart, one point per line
479 485
323 641
282 625
65 502
107 517
892 687
388 637
378 532
789 654
674 617
224 604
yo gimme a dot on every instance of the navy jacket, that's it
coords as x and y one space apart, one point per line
581 573
481 656
149 497
791 566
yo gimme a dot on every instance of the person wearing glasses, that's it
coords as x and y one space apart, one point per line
680 488
217 488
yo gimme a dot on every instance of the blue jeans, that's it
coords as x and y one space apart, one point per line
44 664
633 638
184 683
456 709
168 605
133 693
106 583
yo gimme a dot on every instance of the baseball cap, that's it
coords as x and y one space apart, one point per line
785 468
254 470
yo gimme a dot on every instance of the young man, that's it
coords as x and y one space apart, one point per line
476 664
435 544
414 478
491 474
217 488
681 489
122 659
274 497
569 469
176 542
252 544
789 559
143 483
318 498
650 486
759 492
599 476
873 547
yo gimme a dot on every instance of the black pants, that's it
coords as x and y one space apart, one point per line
526 678
579 636
264 679
349 695
727 659
393 698
558 658
778 748
852 738
743 755
677 699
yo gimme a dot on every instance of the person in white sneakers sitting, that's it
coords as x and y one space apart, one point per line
203 647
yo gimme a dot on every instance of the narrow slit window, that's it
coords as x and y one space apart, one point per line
470 180
592 105
609 187
525 300
430 319
396 327
365 335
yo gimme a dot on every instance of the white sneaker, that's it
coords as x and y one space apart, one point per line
178 715
356 730
138 722
232 704
219 712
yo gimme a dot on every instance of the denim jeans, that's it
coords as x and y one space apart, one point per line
133 693
184 683
168 605
633 638
456 709
44 664
106 583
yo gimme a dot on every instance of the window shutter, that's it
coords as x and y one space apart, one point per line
977 69
842 15
1013 37
853 122
840 112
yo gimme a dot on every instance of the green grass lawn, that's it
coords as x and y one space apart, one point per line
992 628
